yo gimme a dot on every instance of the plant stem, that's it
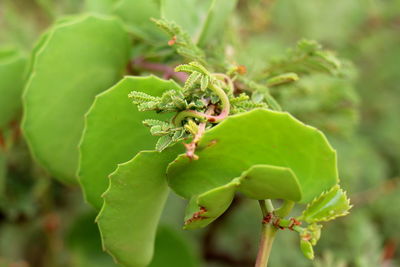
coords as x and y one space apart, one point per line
285 209
268 232
167 71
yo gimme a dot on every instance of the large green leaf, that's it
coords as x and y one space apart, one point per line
258 182
79 58
84 243
171 249
99 6
257 137
137 15
217 17
191 15
114 129
12 79
132 207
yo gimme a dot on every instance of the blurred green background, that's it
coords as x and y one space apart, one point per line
45 223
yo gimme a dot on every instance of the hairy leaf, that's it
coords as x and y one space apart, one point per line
328 206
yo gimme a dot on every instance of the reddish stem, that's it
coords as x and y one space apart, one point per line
167 71
191 147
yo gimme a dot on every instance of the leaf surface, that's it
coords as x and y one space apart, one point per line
132 207
257 137
191 15
328 206
137 16
171 249
217 17
114 129
258 182
81 57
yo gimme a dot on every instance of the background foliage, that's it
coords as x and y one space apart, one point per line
46 223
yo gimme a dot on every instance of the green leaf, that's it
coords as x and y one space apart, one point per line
80 58
99 6
307 249
114 129
84 243
191 15
12 79
137 16
258 182
257 137
270 182
132 207
204 209
217 17
171 249
328 206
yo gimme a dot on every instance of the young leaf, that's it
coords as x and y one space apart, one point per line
307 249
132 207
54 106
192 79
328 206
137 16
114 129
283 78
163 142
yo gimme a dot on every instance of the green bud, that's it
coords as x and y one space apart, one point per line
307 249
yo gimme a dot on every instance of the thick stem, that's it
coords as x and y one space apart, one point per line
268 233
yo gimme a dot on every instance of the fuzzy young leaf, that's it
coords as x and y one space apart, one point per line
283 78
192 79
307 57
153 122
163 142
204 82
182 41
140 97
328 206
